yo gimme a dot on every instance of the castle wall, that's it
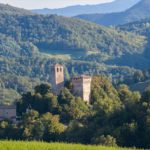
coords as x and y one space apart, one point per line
87 89
82 87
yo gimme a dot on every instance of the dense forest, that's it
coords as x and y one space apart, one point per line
116 116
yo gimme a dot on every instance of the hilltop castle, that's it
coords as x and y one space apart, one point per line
81 85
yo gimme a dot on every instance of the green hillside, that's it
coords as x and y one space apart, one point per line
30 44
141 28
57 34
53 146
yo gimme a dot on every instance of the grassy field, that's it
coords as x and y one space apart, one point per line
9 145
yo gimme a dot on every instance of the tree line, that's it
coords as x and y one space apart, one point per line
115 117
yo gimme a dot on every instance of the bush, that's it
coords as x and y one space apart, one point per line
105 140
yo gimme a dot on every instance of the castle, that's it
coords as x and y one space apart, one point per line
81 85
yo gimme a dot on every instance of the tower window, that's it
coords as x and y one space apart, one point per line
60 69
57 69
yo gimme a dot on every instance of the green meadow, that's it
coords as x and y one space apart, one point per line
9 145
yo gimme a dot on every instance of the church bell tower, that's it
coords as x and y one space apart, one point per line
57 78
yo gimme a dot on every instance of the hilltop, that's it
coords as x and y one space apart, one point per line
10 10
139 11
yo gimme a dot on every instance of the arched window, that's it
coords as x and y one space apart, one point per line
57 69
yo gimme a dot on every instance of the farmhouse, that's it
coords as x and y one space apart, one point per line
8 112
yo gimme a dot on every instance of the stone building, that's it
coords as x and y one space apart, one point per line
81 84
8 112
82 87
57 78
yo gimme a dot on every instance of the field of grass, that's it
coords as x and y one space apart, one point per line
11 145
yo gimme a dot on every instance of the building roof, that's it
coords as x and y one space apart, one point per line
7 107
81 77
57 65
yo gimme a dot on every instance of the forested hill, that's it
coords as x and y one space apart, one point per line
27 43
139 27
54 33
7 9
139 11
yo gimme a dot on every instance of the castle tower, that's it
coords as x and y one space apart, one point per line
82 87
57 78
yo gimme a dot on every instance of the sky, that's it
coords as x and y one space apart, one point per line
35 4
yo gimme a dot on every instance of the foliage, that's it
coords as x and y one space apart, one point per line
29 45
116 116
104 140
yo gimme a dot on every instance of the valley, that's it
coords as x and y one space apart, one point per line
78 74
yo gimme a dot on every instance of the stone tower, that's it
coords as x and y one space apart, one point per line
82 87
57 78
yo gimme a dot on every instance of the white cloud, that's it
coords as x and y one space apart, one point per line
32 4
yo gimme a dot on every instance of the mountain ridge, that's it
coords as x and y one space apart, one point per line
115 6
139 11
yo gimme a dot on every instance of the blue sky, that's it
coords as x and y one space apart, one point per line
32 4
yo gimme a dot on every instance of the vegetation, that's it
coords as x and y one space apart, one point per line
11 145
116 116
29 45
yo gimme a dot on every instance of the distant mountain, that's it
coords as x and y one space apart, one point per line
139 11
115 6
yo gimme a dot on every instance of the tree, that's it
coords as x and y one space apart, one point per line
43 89
71 107
146 95
104 140
104 96
53 127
